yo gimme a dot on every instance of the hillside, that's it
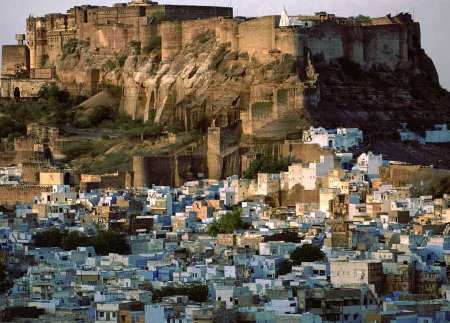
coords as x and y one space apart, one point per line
185 76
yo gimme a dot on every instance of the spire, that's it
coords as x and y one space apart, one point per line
284 22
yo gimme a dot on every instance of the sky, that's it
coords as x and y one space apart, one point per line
432 14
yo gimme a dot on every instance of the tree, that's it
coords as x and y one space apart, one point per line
265 164
432 182
44 59
73 240
320 13
196 292
285 268
160 16
5 283
286 236
48 238
307 253
228 223
110 241
361 18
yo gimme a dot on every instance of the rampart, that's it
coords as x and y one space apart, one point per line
167 170
14 194
109 28
223 151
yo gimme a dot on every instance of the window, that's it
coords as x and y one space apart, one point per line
102 314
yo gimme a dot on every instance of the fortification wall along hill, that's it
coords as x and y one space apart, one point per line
171 170
13 194
14 59
108 28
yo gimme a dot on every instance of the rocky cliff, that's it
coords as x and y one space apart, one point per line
209 80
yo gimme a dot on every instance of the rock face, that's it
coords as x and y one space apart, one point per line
276 81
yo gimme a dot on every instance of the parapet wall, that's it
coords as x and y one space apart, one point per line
223 151
28 88
167 170
177 34
15 58
14 194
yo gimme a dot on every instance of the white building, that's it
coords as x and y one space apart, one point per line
307 174
268 183
340 139
227 195
439 134
369 163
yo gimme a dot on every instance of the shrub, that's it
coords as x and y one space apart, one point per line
307 253
285 268
228 223
70 47
110 65
76 150
196 292
154 43
135 46
44 60
110 163
202 38
160 16
265 164
51 92
121 60
418 125
106 242
361 18
434 182
351 68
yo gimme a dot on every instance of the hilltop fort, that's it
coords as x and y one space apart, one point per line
258 81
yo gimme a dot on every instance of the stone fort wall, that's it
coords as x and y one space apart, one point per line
167 170
263 40
13 194
109 28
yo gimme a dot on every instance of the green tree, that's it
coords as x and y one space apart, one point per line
44 60
214 228
73 240
70 47
361 18
286 236
307 253
160 16
5 283
285 268
432 182
265 164
51 92
228 223
110 241
154 43
196 292
48 238
320 13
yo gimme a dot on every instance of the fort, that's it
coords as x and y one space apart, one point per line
255 77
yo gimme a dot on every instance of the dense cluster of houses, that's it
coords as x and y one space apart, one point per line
386 253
